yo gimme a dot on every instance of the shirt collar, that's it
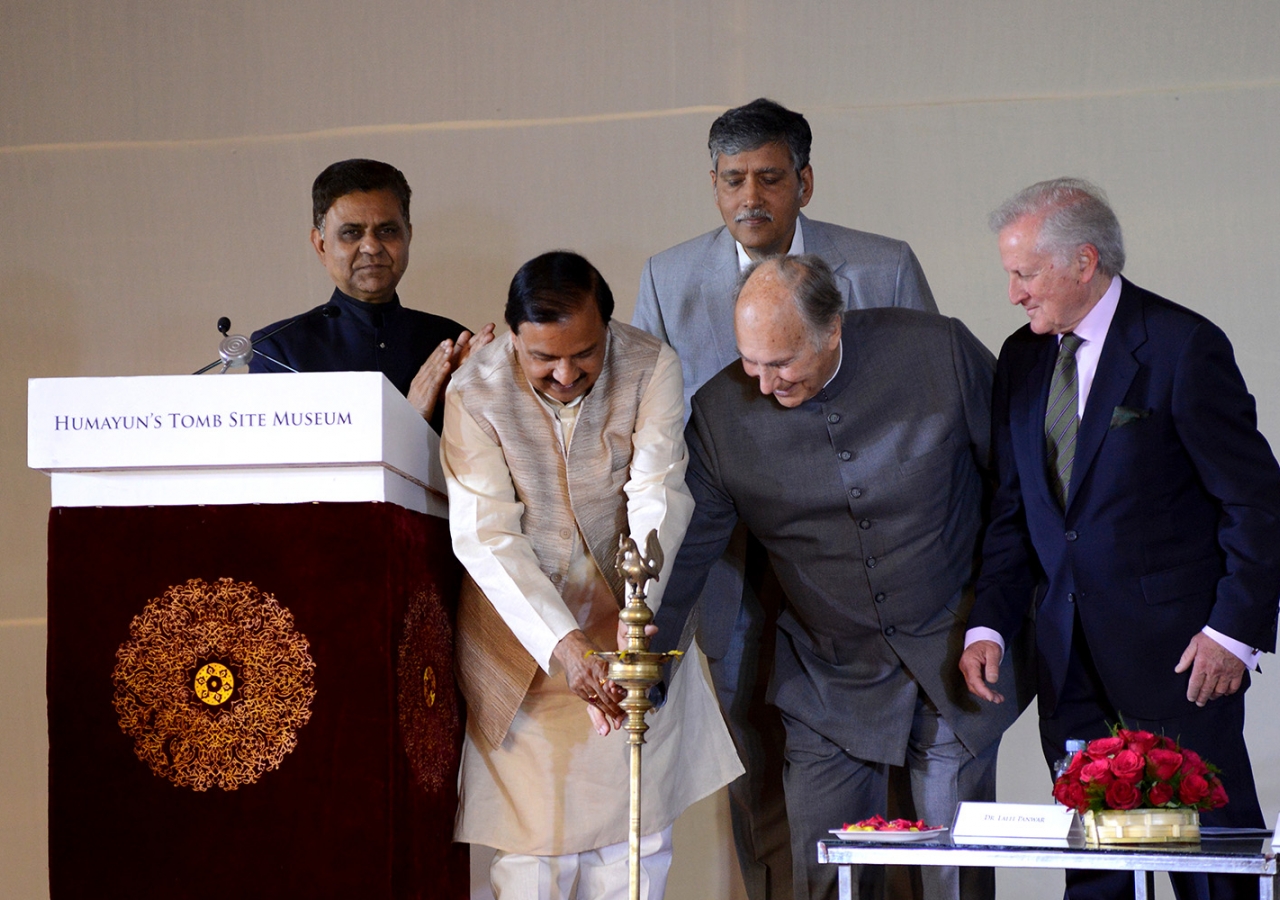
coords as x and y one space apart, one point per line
1094 326
797 247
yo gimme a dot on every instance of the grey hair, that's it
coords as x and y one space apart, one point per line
756 124
1075 213
813 288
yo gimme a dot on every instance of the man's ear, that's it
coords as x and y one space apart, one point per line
317 241
1087 262
833 340
806 185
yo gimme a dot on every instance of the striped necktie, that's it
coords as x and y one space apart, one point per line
1061 418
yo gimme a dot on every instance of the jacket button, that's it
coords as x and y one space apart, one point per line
1071 598
833 418
855 493
566 533
871 562
880 597
846 455
890 631
864 524
1071 535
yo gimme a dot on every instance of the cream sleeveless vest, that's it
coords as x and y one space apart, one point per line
561 493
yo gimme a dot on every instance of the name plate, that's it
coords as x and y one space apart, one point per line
1017 825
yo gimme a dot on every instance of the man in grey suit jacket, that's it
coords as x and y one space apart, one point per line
855 448
761 179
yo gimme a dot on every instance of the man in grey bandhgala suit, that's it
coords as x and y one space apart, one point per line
761 178
855 449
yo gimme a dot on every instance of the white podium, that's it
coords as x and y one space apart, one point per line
250 654
185 440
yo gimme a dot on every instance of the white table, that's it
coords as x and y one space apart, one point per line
1232 856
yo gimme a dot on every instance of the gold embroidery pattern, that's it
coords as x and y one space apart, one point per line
213 684
427 697
429 686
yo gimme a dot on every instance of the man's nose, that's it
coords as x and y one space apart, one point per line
370 245
751 193
1016 292
564 372
768 382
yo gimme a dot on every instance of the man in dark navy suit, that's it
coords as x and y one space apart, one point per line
1137 503
361 233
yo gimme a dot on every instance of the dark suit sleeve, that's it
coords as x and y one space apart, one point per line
1216 419
912 290
714 518
648 315
1010 569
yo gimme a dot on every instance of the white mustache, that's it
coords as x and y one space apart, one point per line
754 214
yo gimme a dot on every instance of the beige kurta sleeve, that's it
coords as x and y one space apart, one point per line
484 520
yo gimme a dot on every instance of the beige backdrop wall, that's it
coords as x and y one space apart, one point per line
155 159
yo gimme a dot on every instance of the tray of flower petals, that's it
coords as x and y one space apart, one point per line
879 830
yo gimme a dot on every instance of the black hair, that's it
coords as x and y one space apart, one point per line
758 123
356 176
554 286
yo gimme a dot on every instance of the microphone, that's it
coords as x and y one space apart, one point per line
236 350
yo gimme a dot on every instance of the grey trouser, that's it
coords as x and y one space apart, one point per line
827 787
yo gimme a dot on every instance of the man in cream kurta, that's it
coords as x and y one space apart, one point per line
557 437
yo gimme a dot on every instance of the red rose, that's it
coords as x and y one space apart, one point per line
1071 795
1165 743
1192 764
1217 796
1192 790
1078 760
1164 764
1123 795
1128 766
1104 747
1140 742
1160 794
1098 772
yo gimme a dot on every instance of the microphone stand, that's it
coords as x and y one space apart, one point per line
237 350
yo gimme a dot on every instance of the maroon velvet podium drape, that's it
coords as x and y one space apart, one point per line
361 806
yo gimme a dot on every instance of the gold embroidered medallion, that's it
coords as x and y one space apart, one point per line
213 684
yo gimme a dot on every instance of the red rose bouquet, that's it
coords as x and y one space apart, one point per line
1133 769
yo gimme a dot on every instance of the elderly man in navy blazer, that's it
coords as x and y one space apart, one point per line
760 180
1137 503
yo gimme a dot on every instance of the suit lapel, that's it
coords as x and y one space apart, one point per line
817 241
715 297
1116 370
